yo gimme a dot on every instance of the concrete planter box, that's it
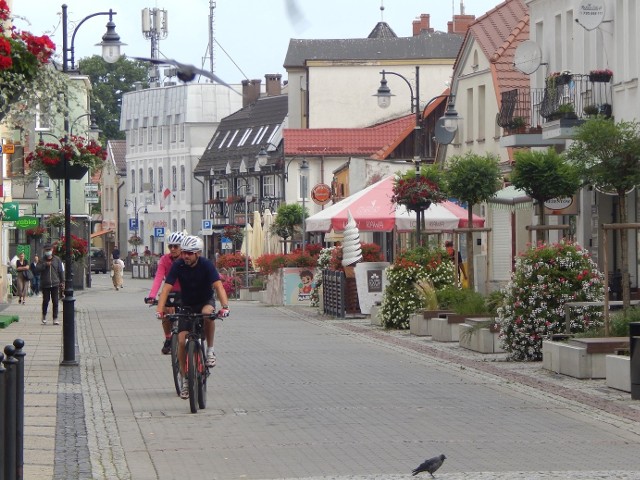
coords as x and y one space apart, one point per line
483 340
448 329
580 358
376 316
618 368
419 322
250 293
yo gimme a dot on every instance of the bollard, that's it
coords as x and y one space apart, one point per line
19 355
11 364
634 348
3 430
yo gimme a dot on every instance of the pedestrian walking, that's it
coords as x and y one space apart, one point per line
35 283
115 253
51 282
22 266
117 270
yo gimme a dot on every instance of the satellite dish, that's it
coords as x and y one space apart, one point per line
528 57
590 13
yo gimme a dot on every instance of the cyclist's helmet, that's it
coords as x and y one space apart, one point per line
176 238
191 243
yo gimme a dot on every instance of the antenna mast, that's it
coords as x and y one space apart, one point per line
209 53
155 27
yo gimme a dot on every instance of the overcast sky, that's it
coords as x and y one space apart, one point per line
254 33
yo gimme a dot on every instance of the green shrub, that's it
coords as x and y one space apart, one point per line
618 325
472 303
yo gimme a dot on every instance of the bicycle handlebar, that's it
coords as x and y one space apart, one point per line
192 315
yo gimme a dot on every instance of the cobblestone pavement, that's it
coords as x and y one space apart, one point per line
297 395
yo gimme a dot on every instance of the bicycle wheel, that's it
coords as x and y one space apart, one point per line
175 365
193 354
202 379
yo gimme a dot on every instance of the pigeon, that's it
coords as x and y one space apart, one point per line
186 73
430 465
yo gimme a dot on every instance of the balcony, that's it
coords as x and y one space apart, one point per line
548 116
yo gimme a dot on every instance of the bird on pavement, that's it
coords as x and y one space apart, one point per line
186 73
430 465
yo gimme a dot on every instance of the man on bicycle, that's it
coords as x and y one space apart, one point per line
164 265
198 279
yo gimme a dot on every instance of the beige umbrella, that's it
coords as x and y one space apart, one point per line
266 225
257 243
275 240
246 241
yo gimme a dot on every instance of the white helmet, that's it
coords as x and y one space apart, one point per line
191 243
176 238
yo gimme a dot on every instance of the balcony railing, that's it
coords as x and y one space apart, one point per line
565 96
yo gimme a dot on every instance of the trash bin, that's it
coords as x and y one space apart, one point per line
634 348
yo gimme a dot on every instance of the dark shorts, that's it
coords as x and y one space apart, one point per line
184 324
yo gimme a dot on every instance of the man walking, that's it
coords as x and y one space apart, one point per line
51 279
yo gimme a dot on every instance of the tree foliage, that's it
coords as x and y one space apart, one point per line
109 82
289 216
473 178
544 175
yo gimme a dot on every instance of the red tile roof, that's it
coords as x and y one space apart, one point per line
377 141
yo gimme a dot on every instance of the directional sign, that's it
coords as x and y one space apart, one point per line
158 232
133 224
227 244
10 211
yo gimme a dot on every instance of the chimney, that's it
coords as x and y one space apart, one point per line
250 91
460 24
273 85
422 25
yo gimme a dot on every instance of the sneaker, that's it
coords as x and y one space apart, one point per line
184 392
211 359
166 348
56 322
44 321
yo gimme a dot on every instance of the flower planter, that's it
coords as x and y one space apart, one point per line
56 172
618 371
599 77
371 280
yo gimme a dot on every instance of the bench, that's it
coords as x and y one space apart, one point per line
601 344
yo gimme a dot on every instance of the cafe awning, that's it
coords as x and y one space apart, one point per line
99 233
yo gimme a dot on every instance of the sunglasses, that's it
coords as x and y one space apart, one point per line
174 246
189 254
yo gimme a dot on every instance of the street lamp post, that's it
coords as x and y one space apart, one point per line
304 174
247 199
445 128
138 218
110 53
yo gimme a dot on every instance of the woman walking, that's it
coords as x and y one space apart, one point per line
22 266
35 283
118 269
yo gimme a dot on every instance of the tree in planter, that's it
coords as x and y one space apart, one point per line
289 216
607 154
473 179
543 176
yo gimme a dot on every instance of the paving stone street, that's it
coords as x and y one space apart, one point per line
297 395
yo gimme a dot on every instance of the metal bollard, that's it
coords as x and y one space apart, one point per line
634 347
3 430
11 379
19 355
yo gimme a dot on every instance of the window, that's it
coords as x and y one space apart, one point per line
133 181
223 190
151 179
174 225
183 178
141 181
269 186
244 137
183 225
160 180
174 179
173 129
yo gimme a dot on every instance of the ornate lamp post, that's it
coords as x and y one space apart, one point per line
247 199
110 52
445 129
304 175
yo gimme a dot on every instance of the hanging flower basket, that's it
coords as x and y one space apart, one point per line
55 220
79 248
135 240
78 154
416 193
600 75
36 233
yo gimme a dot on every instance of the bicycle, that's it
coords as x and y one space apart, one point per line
173 301
196 366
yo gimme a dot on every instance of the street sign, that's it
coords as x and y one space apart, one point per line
227 244
91 193
8 148
207 227
133 224
158 232
25 223
10 211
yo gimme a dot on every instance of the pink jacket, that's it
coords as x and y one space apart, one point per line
164 265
